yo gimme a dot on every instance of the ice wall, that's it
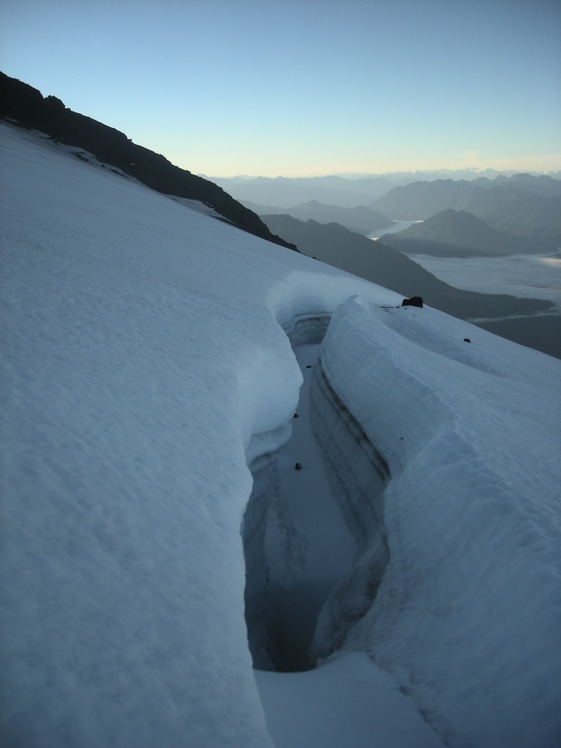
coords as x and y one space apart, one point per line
257 589
280 613
358 474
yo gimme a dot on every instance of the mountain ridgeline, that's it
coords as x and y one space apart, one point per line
26 106
360 219
522 204
505 215
392 269
531 321
457 233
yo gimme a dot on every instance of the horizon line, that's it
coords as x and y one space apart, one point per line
476 171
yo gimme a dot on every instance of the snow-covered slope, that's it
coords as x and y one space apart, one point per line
468 606
146 364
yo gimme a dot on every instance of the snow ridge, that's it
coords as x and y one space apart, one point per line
460 538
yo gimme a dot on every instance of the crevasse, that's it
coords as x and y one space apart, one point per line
296 611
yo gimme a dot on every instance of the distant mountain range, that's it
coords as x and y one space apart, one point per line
453 233
347 191
284 192
521 204
26 106
361 219
388 267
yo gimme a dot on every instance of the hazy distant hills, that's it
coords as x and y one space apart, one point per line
453 233
352 190
361 219
346 191
518 204
285 192
388 267
521 204
26 106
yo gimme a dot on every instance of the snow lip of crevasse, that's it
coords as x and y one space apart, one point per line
301 305
463 601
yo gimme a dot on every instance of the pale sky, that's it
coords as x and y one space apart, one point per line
304 87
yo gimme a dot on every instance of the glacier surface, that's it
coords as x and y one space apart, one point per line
149 387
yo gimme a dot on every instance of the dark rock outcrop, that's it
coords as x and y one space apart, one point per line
26 106
413 301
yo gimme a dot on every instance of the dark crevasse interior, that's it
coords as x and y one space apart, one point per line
314 542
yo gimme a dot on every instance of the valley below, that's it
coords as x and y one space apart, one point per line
523 276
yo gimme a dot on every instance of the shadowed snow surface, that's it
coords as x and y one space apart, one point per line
145 365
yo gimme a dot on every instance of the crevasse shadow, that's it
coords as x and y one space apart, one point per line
316 504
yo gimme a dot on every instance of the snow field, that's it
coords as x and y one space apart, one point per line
348 701
145 365
140 356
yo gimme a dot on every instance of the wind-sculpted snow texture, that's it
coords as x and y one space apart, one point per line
468 611
146 364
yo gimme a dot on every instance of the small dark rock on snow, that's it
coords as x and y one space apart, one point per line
413 301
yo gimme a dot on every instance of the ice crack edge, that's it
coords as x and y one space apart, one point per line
358 474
